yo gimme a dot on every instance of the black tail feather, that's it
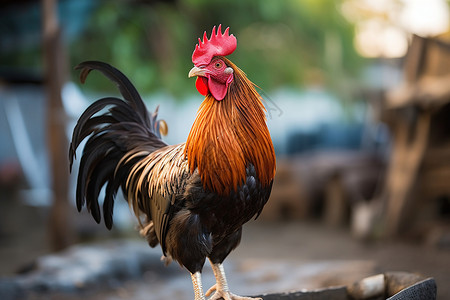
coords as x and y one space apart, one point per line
87 124
95 150
126 88
108 203
123 127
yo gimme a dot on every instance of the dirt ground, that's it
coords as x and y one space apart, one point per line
272 257
313 242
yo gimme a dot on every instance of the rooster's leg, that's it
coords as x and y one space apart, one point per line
221 286
197 283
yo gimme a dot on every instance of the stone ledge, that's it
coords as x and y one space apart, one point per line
332 293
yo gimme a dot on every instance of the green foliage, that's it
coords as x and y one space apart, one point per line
279 42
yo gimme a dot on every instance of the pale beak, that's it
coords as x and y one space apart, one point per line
196 71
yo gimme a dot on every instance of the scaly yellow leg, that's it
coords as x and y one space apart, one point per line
197 283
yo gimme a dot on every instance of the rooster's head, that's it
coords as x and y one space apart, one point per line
213 74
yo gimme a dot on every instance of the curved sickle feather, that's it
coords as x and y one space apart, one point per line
113 127
125 86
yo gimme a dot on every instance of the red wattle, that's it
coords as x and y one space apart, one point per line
202 85
217 89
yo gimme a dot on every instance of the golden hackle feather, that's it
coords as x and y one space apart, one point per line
227 135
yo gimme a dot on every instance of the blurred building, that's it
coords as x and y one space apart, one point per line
416 189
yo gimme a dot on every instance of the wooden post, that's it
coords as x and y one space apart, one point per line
408 151
60 229
336 201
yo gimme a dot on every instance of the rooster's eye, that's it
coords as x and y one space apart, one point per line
218 64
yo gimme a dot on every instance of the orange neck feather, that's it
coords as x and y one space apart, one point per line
227 135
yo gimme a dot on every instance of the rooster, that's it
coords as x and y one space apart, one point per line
192 198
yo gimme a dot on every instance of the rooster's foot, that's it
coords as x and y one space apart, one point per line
225 295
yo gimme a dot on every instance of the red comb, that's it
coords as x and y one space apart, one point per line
219 44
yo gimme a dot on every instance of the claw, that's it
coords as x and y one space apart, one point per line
211 290
225 295
221 287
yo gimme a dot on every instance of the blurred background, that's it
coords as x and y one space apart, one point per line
358 105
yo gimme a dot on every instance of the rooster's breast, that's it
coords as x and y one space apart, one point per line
224 214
